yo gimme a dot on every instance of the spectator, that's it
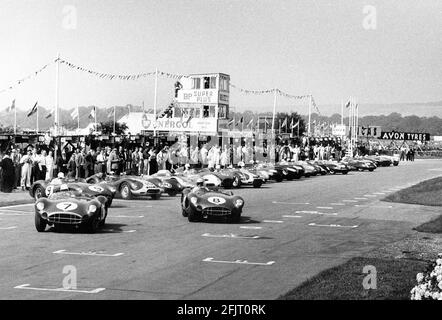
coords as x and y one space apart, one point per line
26 167
72 166
49 166
8 174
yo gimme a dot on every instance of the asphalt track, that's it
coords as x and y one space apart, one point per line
289 232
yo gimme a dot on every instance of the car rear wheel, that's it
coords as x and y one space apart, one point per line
172 193
155 196
40 223
39 192
344 172
125 191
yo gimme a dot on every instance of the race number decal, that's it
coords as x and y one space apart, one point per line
96 188
66 206
49 190
216 200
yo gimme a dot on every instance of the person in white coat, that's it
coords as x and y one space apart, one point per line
26 162
49 166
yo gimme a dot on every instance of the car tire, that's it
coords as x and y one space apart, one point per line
257 183
278 179
93 225
371 170
172 193
155 196
39 192
193 216
125 191
236 182
344 172
235 217
40 223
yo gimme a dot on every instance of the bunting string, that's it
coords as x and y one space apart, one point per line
29 76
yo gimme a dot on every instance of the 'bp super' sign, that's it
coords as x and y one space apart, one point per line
394 135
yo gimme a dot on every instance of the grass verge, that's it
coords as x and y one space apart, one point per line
395 279
427 193
433 226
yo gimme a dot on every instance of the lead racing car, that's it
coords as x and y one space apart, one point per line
201 203
70 208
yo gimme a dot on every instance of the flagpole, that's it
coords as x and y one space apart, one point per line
309 115
78 120
155 103
274 111
114 116
95 118
15 120
37 121
57 79
342 111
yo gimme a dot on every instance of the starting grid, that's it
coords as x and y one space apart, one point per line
299 214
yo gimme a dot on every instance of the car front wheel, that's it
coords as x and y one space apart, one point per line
125 191
40 223
39 193
193 216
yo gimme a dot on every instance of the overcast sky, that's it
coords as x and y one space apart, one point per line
300 46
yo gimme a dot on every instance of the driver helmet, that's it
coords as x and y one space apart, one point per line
60 175
187 166
241 164
200 182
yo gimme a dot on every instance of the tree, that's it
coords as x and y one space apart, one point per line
108 127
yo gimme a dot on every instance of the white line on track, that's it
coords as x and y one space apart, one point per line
8 228
379 193
273 221
240 262
319 213
118 231
372 206
370 195
250 227
328 208
291 216
229 236
349 201
337 204
277 202
13 214
15 211
17 205
331 225
90 253
361 199
27 287
123 216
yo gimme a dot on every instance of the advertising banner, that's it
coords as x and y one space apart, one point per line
181 124
370 131
406 136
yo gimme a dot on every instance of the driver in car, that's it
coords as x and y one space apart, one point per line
200 186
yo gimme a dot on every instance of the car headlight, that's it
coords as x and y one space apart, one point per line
239 203
92 208
166 185
40 206
194 200
112 189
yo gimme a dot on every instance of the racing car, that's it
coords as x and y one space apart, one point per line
127 187
359 164
70 208
43 188
334 167
201 203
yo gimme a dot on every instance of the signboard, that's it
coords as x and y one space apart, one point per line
199 96
181 124
369 132
339 130
394 135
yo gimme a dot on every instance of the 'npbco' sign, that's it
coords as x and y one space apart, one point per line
181 124
405 136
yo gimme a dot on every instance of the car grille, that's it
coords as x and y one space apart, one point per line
155 191
216 211
64 218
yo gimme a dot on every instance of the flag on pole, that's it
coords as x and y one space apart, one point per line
250 122
74 114
348 104
33 110
12 107
93 115
296 125
284 123
230 122
49 114
291 124
110 112
240 120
